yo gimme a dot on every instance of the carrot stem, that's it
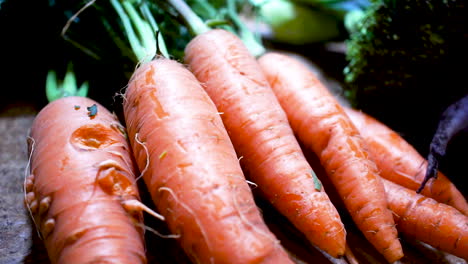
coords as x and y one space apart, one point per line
52 90
146 39
195 23
143 40
132 38
198 27
56 89
249 39
160 44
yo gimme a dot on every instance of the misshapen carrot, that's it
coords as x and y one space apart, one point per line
191 168
259 128
321 123
423 218
399 162
81 185
261 135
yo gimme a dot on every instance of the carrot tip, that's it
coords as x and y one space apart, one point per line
135 205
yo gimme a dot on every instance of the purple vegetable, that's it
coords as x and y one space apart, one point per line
453 120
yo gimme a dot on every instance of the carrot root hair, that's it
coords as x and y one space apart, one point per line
154 231
31 145
246 222
135 205
72 18
190 211
147 157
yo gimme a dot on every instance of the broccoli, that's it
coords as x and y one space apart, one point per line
406 63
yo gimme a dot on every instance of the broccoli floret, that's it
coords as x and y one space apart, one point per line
407 62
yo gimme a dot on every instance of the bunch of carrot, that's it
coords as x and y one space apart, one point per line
199 134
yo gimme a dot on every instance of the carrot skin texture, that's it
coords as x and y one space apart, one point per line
81 171
193 174
399 162
322 125
260 132
427 220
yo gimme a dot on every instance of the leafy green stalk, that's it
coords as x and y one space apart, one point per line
195 23
141 33
225 16
56 89
245 34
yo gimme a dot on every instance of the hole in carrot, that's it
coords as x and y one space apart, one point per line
112 180
91 137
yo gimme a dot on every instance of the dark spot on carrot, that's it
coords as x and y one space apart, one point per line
77 107
91 137
92 111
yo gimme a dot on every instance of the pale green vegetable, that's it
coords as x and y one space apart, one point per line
297 24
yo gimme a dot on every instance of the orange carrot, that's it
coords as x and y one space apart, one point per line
81 190
261 135
424 219
399 162
191 168
321 123
416 216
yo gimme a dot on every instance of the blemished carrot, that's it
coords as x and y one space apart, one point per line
427 220
399 162
261 135
191 168
322 125
81 191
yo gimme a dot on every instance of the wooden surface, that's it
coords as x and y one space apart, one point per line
19 242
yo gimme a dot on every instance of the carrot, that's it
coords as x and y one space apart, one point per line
186 157
399 162
261 135
322 125
191 168
416 216
81 191
423 218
